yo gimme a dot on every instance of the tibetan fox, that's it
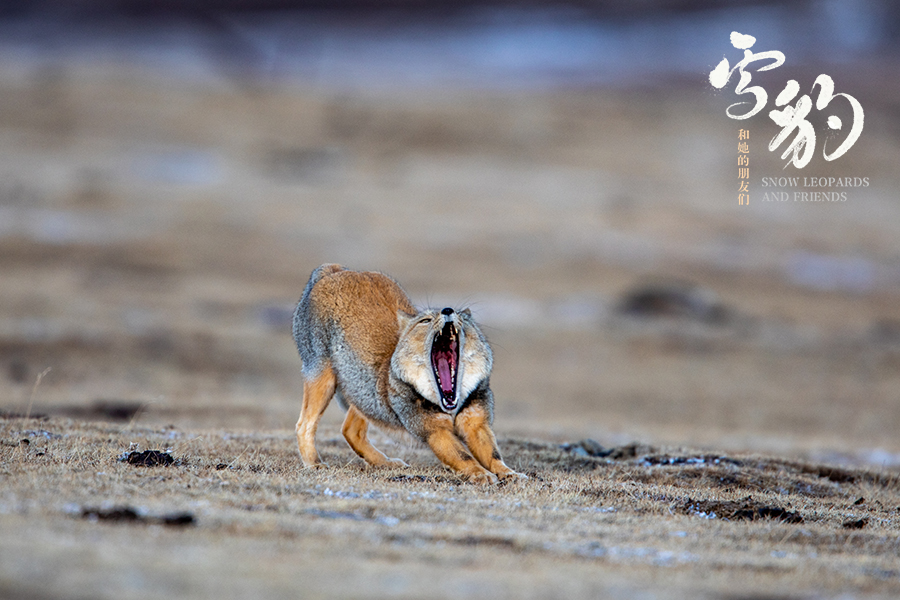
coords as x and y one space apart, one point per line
426 372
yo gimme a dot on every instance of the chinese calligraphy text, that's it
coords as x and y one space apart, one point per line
792 118
743 167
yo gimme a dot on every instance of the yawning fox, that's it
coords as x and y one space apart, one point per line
426 372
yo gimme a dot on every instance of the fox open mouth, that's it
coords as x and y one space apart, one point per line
445 363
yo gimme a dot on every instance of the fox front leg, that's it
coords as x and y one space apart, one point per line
473 426
439 434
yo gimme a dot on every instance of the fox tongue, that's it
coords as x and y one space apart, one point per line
443 368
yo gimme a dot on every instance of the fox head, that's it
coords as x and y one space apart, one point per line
442 354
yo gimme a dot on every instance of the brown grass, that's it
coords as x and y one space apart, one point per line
639 516
752 458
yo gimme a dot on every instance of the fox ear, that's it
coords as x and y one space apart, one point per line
404 319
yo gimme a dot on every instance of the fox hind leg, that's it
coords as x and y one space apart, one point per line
354 429
317 393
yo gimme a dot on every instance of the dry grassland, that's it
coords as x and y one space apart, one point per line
245 519
156 232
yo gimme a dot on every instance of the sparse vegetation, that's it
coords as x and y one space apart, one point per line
704 520
731 436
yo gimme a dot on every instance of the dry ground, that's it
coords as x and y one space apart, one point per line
155 232
589 521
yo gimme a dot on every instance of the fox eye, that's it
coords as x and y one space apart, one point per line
425 320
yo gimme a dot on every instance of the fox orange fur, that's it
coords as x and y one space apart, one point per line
426 372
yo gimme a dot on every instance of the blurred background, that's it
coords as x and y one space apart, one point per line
171 172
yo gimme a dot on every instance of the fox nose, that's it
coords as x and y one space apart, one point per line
447 311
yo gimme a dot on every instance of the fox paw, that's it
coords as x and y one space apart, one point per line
316 465
512 476
482 477
393 463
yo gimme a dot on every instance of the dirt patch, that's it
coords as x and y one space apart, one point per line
149 458
855 523
673 299
739 510
101 410
589 447
128 514
584 455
